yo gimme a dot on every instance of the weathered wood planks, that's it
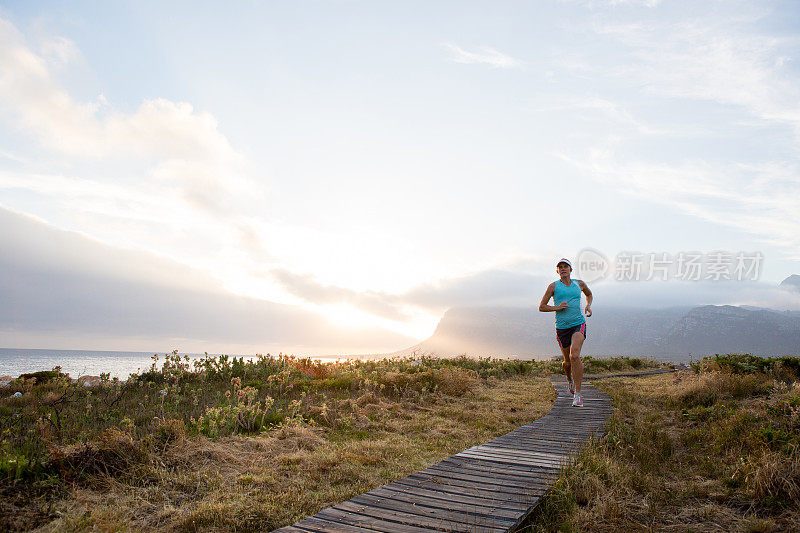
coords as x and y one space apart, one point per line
487 488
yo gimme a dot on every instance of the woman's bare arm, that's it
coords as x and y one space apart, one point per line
585 288
548 293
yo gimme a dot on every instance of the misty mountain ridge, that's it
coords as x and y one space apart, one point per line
675 333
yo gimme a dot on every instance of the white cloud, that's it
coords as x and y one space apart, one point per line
59 50
596 108
614 3
734 72
645 3
162 178
484 56
311 290
758 199
724 62
186 145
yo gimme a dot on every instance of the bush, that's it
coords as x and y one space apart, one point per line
43 376
312 369
113 453
706 389
16 465
775 480
456 381
168 432
241 414
787 367
616 364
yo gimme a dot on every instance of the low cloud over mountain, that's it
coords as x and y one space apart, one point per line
675 333
61 289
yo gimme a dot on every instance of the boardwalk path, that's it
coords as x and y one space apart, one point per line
490 487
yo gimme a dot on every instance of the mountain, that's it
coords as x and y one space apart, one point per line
791 283
727 328
676 333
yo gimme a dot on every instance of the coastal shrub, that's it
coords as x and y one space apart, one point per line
311 368
241 414
168 432
456 381
596 365
113 453
705 389
787 367
774 480
636 363
21 464
43 376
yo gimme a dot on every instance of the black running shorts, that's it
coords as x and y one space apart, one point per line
564 336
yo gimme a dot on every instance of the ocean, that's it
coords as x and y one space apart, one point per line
16 361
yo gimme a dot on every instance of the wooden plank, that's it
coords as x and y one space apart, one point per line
354 518
317 525
489 467
469 465
507 460
443 521
465 487
486 480
543 455
482 478
452 511
497 491
505 451
449 496
516 453
418 498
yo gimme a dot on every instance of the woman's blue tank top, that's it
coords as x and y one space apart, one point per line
571 316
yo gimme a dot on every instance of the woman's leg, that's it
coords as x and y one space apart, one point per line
575 359
565 365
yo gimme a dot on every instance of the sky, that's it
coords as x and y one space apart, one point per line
332 176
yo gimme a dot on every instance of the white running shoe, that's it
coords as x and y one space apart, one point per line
571 387
577 401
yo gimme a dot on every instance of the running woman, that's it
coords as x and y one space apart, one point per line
570 324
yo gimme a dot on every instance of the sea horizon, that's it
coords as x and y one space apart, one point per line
121 363
117 363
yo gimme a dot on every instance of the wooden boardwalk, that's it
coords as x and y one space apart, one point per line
492 487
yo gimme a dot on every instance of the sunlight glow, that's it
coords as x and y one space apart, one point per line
420 326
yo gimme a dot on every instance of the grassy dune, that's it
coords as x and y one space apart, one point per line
714 448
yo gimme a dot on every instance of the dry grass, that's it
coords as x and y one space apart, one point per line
708 451
268 481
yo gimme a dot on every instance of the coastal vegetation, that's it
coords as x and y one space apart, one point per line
711 448
228 443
